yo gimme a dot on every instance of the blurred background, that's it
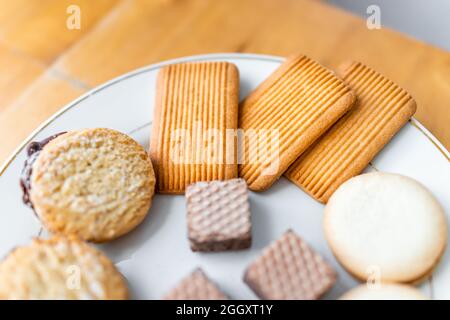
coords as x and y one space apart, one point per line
52 51
427 20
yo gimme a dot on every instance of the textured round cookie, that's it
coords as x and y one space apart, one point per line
95 183
59 268
384 292
387 227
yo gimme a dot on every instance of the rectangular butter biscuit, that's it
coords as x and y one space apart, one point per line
196 108
285 115
382 109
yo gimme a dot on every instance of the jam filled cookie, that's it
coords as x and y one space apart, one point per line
33 150
386 227
95 183
60 268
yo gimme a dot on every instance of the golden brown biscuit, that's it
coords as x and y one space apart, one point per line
95 183
382 109
59 268
194 124
285 115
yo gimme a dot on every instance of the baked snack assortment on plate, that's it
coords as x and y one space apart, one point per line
60 268
95 183
318 128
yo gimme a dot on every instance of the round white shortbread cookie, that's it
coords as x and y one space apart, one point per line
386 227
384 292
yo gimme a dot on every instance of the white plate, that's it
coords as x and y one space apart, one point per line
156 255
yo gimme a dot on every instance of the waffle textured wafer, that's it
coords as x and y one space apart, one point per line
60 268
196 286
348 147
285 115
196 110
218 215
289 269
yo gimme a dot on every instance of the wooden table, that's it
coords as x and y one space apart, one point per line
45 65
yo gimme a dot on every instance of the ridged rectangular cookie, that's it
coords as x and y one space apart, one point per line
196 110
285 115
383 108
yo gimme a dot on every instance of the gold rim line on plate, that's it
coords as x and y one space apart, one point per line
216 56
416 123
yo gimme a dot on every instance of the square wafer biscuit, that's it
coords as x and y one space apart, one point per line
196 286
289 269
285 115
195 115
383 108
218 215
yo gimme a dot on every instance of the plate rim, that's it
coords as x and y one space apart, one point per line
212 56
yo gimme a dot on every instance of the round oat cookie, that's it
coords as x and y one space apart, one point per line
59 268
95 183
388 291
387 227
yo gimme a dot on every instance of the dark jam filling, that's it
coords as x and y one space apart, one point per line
33 151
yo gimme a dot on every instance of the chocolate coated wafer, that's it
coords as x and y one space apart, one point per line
289 269
218 215
195 116
285 115
196 286
383 108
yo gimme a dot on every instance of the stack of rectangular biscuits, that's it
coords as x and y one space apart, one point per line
317 128
348 147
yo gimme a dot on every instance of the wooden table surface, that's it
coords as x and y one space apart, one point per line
45 65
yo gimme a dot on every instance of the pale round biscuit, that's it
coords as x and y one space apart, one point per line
387 227
95 183
60 268
386 291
